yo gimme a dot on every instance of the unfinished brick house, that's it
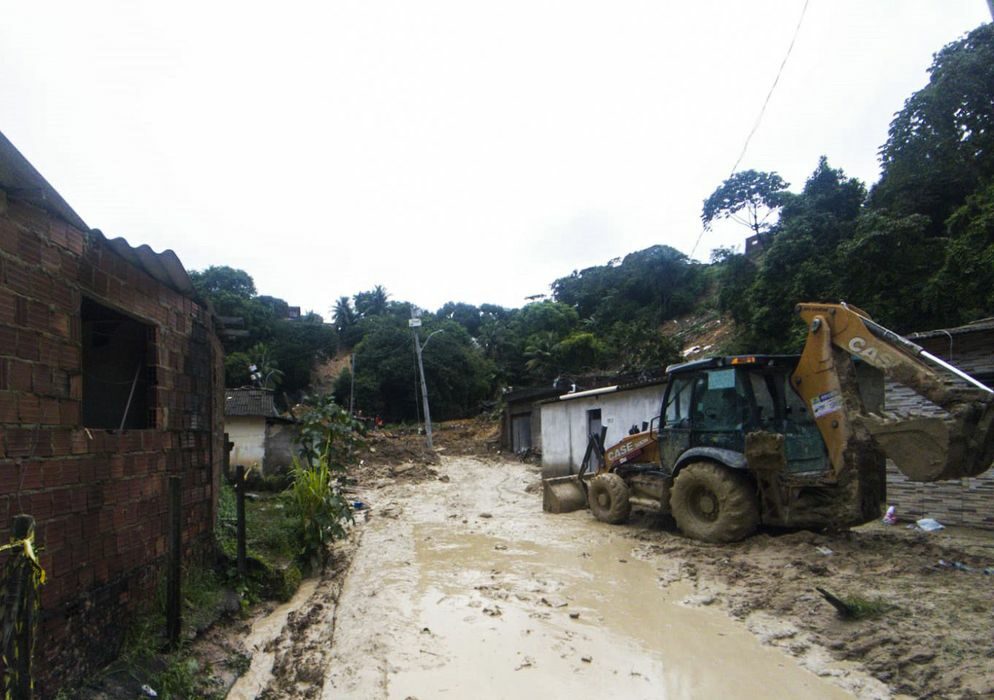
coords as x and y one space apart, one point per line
110 382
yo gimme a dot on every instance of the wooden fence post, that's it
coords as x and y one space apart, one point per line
175 569
240 513
22 598
228 446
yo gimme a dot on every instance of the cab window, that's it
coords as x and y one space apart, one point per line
718 404
678 401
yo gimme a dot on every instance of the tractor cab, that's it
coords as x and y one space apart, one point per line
710 405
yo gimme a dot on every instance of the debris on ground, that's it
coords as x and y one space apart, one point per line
929 524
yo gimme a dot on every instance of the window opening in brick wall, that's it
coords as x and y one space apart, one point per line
118 377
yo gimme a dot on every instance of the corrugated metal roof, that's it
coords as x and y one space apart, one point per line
164 267
984 324
22 181
249 402
619 388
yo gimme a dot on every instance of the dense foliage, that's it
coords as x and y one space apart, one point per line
283 350
918 252
327 439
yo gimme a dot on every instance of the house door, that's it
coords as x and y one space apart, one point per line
521 433
594 428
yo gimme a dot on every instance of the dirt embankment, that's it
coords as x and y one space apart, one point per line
402 453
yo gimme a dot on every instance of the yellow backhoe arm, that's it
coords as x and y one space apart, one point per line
924 448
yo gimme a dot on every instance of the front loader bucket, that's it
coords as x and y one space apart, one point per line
563 494
930 448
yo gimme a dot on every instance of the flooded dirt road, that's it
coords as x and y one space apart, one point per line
463 587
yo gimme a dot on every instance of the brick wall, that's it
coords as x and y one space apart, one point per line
99 497
968 502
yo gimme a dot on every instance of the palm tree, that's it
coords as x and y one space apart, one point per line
344 315
373 302
539 350
270 375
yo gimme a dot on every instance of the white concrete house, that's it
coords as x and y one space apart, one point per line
569 420
262 440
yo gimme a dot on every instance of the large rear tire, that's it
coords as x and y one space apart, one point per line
608 498
714 503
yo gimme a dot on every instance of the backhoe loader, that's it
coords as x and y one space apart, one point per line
787 440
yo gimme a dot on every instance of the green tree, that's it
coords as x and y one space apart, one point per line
221 278
468 316
385 374
637 346
546 317
371 303
653 285
749 197
297 346
268 371
540 350
279 308
328 438
962 290
457 374
734 273
236 369
291 347
500 342
940 146
801 263
881 268
346 322
580 351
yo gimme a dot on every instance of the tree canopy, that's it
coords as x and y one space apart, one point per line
918 252
749 197
285 349
940 145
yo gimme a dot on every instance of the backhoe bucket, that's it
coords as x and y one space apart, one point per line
931 448
563 494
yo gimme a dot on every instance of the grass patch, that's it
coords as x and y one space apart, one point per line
270 528
861 608
176 674
272 543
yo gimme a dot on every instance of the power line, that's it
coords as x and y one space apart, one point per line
762 110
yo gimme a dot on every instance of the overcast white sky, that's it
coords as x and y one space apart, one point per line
448 150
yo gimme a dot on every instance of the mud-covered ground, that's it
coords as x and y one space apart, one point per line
456 582
934 636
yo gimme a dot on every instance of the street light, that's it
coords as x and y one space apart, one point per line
414 324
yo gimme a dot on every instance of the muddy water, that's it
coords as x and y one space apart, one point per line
468 589
264 631
583 619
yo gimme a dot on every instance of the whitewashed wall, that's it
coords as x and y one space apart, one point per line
249 435
564 424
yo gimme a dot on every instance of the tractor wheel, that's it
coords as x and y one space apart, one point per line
608 498
713 503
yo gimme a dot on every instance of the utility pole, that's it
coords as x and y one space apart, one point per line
414 324
990 6
352 385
